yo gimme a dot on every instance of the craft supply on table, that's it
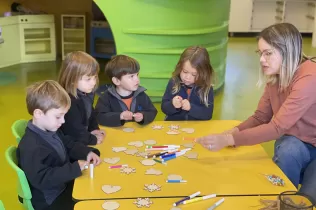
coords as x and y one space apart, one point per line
118 166
216 204
199 199
176 181
187 198
275 180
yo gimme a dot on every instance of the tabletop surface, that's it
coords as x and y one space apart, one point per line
235 203
231 171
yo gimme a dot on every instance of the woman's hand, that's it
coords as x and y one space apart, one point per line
216 142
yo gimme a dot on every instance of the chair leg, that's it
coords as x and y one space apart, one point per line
20 199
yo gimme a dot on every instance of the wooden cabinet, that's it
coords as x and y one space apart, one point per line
27 38
37 38
10 48
73 30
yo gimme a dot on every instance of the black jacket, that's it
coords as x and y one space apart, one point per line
198 110
43 167
77 124
110 106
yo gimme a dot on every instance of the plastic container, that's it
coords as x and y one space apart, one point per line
291 200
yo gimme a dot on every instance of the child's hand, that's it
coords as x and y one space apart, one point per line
82 164
98 132
126 115
186 105
94 158
99 139
176 102
138 117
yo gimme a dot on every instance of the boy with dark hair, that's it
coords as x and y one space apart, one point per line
126 100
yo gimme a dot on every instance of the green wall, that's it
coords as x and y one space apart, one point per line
155 32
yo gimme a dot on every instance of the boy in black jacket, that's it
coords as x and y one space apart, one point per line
126 101
44 153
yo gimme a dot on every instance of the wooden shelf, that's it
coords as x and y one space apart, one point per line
38 52
74 29
74 40
73 43
73 33
37 40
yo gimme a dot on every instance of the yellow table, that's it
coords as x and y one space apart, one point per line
230 203
232 171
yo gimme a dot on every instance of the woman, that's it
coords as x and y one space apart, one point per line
286 111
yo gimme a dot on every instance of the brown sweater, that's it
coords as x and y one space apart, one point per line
292 112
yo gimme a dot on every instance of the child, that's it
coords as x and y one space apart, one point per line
44 152
189 93
126 100
79 77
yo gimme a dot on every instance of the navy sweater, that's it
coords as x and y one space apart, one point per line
198 110
46 170
110 106
79 121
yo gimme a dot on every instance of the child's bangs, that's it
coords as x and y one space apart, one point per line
132 67
90 69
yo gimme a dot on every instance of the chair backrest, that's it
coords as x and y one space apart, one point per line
24 190
18 129
1 206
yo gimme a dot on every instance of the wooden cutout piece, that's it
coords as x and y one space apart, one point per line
174 127
157 127
150 142
153 171
143 202
175 208
118 149
173 132
128 170
148 162
110 205
109 189
174 177
112 160
131 151
142 154
128 130
152 187
136 143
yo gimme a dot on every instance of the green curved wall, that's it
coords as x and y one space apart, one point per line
155 32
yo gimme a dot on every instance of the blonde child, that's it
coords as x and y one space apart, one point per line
189 93
79 77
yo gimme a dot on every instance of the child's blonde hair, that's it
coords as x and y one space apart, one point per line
199 59
46 95
76 65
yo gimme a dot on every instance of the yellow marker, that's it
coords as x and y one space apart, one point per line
199 199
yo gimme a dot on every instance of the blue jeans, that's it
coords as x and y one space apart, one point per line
297 160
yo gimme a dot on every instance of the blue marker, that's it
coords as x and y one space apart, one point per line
167 155
176 181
